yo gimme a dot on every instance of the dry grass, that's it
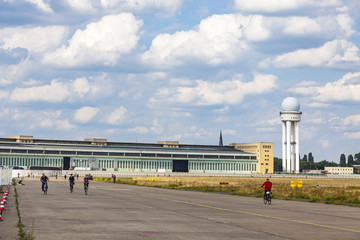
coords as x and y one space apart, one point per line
332 191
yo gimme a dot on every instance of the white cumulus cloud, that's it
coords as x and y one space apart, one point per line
345 89
221 39
102 42
17 72
82 5
214 93
218 39
352 135
4 94
53 92
334 54
169 7
156 127
41 5
139 130
159 7
118 116
52 119
86 114
47 119
353 120
59 91
283 5
59 124
34 39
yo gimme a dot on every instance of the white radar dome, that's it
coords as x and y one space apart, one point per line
290 104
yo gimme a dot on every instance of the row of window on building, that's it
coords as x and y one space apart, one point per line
129 164
123 154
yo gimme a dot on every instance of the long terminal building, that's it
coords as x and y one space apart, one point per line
163 156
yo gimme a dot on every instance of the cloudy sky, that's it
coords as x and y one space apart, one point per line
154 70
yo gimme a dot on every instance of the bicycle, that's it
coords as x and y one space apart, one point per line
267 198
71 187
86 187
45 188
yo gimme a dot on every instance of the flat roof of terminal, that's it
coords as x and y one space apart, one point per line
120 145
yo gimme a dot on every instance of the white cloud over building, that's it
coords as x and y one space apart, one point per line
216 93
102 42
86 114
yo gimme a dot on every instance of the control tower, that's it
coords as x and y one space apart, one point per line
290 117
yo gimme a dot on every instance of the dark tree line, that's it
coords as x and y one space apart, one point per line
308 162
350 160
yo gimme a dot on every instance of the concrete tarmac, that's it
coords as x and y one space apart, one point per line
10 219
117 211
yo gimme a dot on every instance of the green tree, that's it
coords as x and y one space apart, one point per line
342 160
350 161
303 165
311 161
357 159
305 158
321 165
277 164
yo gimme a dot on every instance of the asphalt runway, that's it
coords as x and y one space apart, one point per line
117 211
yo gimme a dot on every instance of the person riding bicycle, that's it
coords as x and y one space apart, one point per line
267 184
86 181
44 180
71 180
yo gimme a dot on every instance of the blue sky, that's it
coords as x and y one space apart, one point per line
182 70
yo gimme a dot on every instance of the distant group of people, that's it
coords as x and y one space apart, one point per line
77 176
44 179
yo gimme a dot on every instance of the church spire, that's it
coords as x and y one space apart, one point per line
220 139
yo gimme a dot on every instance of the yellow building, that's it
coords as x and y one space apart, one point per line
339 170
264 154
23 139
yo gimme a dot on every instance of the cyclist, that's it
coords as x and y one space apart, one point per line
86 181
71 180
44 180
267 184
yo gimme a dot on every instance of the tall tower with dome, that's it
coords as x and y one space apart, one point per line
290 117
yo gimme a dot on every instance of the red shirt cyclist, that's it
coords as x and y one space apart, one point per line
267 184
